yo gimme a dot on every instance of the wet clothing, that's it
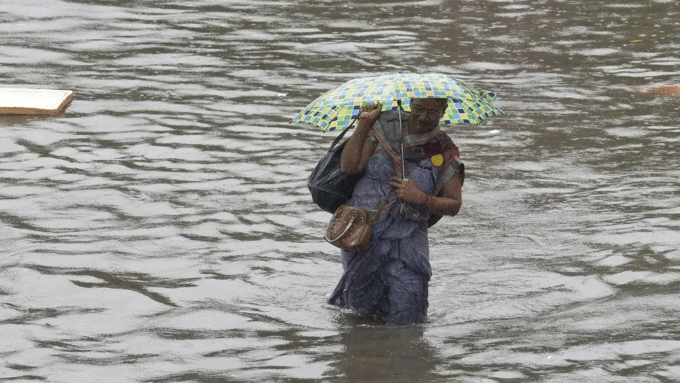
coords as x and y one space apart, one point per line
391 278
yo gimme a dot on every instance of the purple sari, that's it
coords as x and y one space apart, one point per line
391 278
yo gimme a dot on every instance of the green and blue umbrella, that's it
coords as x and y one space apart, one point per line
337 108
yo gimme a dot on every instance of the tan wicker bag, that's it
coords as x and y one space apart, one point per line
350 228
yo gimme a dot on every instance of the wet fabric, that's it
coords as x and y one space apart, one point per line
391 278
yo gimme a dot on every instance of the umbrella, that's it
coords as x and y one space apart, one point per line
337 108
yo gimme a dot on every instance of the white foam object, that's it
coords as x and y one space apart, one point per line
33 101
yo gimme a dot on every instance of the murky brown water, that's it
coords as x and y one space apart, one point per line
161 230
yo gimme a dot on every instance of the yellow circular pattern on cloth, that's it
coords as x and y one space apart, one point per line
437 160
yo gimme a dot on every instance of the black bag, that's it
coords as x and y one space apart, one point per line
330 187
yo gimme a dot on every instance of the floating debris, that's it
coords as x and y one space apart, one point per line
665 91
33 101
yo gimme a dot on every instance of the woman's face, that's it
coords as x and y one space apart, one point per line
425 115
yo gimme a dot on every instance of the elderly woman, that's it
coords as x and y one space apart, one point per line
390 279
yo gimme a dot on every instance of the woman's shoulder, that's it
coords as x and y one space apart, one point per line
448 146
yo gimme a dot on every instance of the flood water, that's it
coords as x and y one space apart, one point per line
160 229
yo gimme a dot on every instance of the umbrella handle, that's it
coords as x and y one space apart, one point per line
401 129
403 166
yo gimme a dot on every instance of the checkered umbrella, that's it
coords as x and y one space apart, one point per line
335 109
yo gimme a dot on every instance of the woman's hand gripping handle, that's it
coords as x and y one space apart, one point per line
359 150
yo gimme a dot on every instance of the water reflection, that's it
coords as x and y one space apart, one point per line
386 354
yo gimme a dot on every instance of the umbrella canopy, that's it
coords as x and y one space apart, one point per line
335 109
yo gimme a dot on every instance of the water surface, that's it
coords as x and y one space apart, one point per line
160 229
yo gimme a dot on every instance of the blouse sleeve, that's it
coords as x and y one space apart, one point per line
455 168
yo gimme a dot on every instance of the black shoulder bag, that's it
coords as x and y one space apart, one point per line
329 186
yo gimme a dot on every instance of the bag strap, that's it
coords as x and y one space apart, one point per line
375 213
339 137
397 165
397 162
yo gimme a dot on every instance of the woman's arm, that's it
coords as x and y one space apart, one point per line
448 204
450 201
359 149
